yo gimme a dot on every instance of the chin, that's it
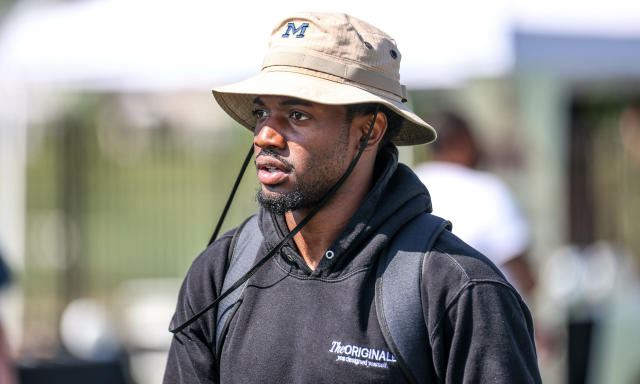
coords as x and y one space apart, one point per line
278 201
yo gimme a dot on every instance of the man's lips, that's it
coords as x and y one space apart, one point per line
270 170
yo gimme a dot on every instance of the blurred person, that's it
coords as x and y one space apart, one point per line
331 282
6 368
481 207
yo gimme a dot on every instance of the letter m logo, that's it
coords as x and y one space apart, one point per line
298 32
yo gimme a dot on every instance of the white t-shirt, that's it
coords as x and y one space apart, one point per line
480 206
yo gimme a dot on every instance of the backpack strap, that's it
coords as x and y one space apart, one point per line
398 294
244 247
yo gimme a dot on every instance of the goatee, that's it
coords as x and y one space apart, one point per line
281 203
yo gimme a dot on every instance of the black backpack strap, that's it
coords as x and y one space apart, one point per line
398 294
242 254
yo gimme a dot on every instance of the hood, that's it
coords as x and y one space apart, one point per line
396 197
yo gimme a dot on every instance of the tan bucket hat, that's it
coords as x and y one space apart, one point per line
328 58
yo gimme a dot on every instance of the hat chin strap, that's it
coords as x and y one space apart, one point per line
231 195
289 236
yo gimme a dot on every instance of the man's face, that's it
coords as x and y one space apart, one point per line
302 149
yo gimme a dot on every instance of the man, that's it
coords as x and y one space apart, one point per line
480 204
327 111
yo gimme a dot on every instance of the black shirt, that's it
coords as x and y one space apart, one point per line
298 325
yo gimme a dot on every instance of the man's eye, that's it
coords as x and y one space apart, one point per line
259 113
299 116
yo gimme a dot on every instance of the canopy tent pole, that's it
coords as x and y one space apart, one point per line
13 165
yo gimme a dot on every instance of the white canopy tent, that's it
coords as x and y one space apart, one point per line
144 44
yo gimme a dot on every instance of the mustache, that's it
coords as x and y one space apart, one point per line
271 153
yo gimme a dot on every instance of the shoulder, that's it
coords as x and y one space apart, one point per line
453 267
472 312
453 263
207 272
205 277
213 258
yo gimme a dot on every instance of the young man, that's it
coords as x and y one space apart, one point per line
327 111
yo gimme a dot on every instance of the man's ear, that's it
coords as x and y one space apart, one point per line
379 129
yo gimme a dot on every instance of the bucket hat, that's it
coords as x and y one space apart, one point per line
328 58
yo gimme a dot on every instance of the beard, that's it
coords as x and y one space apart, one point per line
281 203
305 195
311 187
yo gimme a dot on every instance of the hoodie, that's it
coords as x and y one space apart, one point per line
297 325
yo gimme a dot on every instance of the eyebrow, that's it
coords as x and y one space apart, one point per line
292 101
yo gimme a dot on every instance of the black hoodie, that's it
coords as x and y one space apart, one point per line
298 325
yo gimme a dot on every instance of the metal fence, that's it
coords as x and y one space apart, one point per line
110 201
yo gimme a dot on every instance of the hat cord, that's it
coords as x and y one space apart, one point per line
289 236
231 195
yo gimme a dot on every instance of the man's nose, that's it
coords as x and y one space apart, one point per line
269 136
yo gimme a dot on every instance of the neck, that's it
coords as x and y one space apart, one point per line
462 157
315 238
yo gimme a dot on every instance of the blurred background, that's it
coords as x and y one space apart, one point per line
115 163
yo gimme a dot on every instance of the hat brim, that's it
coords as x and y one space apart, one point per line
237 100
